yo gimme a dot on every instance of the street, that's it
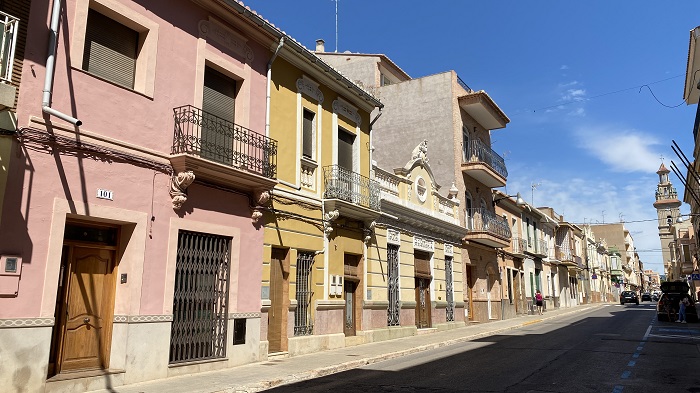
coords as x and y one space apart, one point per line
614 348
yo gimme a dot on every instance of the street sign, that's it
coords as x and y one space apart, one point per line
695 276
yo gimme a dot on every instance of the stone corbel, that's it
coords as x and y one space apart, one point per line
262 197
178 188
328 219
369 230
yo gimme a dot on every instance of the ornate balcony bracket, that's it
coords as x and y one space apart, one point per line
262 197
369 230
328 219
178 188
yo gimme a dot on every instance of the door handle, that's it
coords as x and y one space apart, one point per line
86 320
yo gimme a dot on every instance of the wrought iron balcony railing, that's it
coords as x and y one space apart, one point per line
210 137
482 220
464 85
563 253
346 185
480 152
541 247
518 245
10 26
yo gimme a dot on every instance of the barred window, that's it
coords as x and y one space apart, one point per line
303 324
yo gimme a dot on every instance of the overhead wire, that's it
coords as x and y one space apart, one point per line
615 92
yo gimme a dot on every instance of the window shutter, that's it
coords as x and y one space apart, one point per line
219 95
345 142
110 50
308 134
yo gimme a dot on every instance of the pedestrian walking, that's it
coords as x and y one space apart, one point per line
681 309
538 302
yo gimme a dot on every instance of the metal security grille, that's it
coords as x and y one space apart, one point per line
393 287
200 298
302 316
449 285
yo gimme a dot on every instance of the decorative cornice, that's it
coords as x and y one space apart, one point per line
227 38
305 86
26 322
347 110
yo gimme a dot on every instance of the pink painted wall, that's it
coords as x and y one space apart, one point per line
36 178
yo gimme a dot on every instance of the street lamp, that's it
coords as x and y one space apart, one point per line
518 199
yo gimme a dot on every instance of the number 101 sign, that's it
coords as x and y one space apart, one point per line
104 194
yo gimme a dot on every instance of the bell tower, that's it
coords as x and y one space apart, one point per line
668 210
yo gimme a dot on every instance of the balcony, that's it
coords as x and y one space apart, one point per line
350 193
482 108
221 152
487 228
518 246
483 164
10 26
564 255
541 249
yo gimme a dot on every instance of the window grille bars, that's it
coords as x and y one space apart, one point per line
393 285
10 28
350 186
303 324
200 299
449 285
481 152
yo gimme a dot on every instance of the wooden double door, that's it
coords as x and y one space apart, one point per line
84 308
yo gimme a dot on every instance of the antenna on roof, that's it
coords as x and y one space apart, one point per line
336 26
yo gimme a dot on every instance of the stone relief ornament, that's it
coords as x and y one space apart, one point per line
328 220
421 151
307 87
347 110
178 188
226 37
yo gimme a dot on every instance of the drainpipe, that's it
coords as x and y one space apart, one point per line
269 83
50 66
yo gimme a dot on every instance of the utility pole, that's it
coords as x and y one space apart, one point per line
532 196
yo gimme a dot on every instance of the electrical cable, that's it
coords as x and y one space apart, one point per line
610 93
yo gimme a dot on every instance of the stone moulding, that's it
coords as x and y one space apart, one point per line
26 322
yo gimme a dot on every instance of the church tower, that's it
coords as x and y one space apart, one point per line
668 210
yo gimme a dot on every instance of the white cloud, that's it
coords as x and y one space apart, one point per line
623 150
564 67
573 95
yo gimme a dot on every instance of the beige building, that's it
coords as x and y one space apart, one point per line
414 265
459 121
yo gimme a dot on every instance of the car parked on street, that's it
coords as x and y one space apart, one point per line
629 297
668 305
646 296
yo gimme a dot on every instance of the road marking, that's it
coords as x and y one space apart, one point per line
618 389
631 363
626 374
640 348
646 335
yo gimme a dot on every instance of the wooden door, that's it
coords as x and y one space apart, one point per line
422 302
277 316
86 312
349 311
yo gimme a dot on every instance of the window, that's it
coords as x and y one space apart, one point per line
110 50
303 324
470 211
393 286
510 285
384 80
308 134
218 107
465 144
116 43
345 149
421 190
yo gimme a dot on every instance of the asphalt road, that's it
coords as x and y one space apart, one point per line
612 349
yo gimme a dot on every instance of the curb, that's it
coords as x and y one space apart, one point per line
321 372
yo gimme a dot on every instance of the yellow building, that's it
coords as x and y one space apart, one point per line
316 219
415 266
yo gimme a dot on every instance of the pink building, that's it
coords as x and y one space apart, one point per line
130 247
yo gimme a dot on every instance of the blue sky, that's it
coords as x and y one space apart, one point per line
567 74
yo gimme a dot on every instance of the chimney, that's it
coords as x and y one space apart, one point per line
320 47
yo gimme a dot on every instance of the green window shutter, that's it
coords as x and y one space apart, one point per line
110 50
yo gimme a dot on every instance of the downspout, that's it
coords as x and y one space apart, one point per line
50 66
269 83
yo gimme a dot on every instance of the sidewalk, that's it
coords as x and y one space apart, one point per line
265 375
